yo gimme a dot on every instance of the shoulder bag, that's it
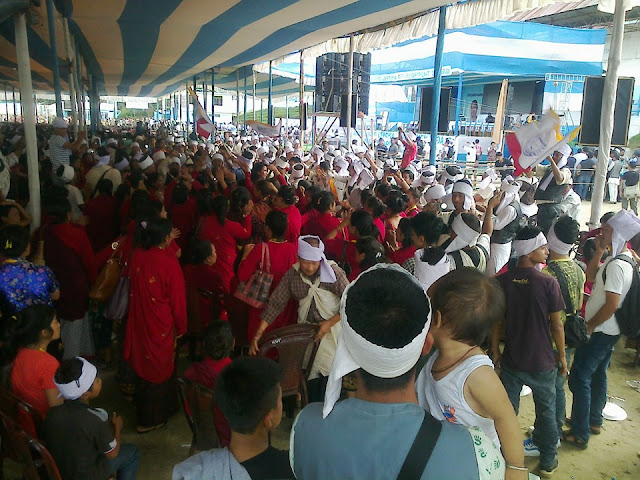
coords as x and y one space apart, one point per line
255 291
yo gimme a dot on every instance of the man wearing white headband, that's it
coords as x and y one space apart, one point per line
612 283
506 224
317 285
385 318
60 148
532 324
469 241
462 196
85 442
563 235
552 187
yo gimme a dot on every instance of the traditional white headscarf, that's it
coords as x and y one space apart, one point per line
626 225
461 186
465 235
307 251
525 247
354 351
75 389
555 244
435 192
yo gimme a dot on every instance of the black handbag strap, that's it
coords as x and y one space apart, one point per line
95 189
564 287
421 449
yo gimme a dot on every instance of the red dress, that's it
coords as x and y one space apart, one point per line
207 278
282 257
157 313
321 225
294 223
224 239
402 255
101 230
183 217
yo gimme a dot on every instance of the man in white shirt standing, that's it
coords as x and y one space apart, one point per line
588 379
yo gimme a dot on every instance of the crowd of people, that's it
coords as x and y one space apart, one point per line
392 259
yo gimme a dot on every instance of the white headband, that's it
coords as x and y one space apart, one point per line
465 235
75 389
467 190
354 351
104 160
435 192
306 251
525 247
626 225
122 164
146 163
452 178
557 245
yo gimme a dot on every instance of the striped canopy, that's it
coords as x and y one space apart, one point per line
152 47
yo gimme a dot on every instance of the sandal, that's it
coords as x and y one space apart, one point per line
143 430
572 439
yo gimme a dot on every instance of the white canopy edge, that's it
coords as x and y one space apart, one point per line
460 15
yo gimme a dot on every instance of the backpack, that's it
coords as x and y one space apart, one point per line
628 313
575 327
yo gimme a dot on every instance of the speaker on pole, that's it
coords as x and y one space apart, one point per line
332 77
592 110
426 107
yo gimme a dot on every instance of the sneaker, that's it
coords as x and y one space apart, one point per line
530 431
530 448
548 471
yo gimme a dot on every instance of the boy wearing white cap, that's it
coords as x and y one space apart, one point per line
532 321
385 317
85 442
612 282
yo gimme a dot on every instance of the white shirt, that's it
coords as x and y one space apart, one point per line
75 199
619 276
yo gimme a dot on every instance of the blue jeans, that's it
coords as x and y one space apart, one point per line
588 383
561 400
543 385
581 185
126 463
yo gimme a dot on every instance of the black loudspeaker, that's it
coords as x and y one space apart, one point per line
592 109
332 76
426 107
343 110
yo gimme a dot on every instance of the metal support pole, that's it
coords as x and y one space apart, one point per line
72 68
80 89
193 103
286 113
253 98
51 19
350 89
186 101
244 115
458 104
238 100
606 117
302 110
270 100
26 92
15 112
261 110
437 83
213 94
204 91
6 102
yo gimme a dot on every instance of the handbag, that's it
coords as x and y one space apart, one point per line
108 277
117 306
575 327
255 291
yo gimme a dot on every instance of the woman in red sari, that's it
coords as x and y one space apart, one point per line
101 211
321 224
282 256
224 234
157 318
68 253
285 201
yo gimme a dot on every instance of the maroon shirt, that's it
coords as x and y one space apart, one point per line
531 296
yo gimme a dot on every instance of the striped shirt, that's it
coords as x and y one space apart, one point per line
57 153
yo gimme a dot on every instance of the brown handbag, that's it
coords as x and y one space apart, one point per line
108 277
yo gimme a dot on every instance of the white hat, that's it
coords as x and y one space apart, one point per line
122 165
411 136
134 144
427 177
193 143
174 160
281 163
104 160
288 149
316 150
435 192
170 139
76 388
565 150
159 155
262 150
68 174
146 163
340 163
297 171
217 156
60 122
110 141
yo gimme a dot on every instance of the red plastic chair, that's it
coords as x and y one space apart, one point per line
16 408
296 347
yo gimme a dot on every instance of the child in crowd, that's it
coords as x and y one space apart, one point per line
249 394
458 383
218 344
85 442
369 252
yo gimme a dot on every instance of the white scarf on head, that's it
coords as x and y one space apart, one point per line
557 245
467 190
75 389
525 247
427 274
465 235
626 225
355 351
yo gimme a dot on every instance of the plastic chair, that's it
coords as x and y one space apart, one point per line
198 404
296 347
14 407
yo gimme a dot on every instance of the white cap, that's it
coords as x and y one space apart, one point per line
170 139
60 122
217 156
68 174
288 149
281 163
297 171
110 141
159 155
193 143
146 163
435 192
174 160
262 150
122 165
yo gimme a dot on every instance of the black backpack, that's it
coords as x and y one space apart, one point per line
628 313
